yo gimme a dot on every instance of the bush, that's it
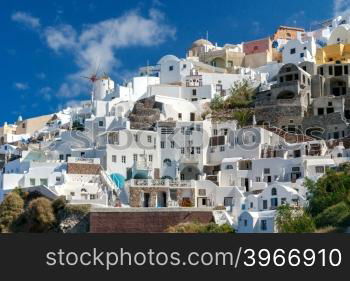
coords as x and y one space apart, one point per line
40 215
289 220
337 215
194 227
59 204
10 209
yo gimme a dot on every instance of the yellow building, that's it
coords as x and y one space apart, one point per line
333 53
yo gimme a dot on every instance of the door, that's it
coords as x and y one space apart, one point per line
161 199
246 184
146 198
192 116
228 203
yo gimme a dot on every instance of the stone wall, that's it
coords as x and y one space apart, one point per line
144 220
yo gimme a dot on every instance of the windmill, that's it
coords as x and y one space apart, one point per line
93 78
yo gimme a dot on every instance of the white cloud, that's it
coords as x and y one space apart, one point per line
26 19
341 7
96 45
21 86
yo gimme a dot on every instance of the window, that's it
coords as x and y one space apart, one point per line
346 69
229 167
43 182
258 179
171 68
92 196
135 157
162 144
330 70
182 150
61 157
330 110
150 158
301 55
124 159
58 178
320 111
114 158
194 92
173 194
172 144
100 123
319 169
264 204
292 51
32 182
228 201
263 225
136 138
266 170
243 206
202 192
180 116
274 202
198 149
274 191
222 148
245 222
149 138
321 70
251 205
167 162
215 132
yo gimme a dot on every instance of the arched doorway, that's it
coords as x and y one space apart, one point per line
190 172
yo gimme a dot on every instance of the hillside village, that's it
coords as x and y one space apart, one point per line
233 129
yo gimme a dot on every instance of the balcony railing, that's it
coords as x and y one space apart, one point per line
159 183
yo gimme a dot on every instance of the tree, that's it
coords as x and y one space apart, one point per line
217 103
329 190
289 220
41 217
243 116
10 209
241 95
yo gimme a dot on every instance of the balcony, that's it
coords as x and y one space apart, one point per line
160 183
190 158
142 165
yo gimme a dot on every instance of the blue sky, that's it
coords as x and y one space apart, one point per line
47 46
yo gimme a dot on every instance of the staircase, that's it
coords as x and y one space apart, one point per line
108 186
222 217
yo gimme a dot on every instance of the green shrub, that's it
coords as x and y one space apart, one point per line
336 215
194 227
80 210
10 209
289 220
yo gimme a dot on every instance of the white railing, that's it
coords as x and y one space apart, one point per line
159 183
